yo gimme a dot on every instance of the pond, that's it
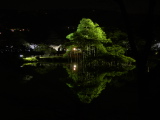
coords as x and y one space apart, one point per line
72 91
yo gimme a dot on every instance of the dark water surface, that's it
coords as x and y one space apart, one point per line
68 91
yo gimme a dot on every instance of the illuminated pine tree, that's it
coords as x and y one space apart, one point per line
89 34
92 40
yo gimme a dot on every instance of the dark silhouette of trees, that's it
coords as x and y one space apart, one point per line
142 55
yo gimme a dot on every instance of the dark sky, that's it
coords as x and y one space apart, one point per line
133 6
137 7
105 15
108 14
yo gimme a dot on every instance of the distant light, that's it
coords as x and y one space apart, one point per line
74 48
74 67
33 46
12 30
0 33
156 53
20 55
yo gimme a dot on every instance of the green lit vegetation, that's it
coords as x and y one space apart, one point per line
101 59
88 80
30 59
45 49
90 41
89 36
29 64
45 59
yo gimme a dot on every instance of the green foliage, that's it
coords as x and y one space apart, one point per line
118 37
115 50
30 59
70 48
41 48
87 87
92 40
90 30
91 79
30 64
89 34
45 49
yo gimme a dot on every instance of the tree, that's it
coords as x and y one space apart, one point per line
118 37
89 34
141 55
44 49
90 79
92 40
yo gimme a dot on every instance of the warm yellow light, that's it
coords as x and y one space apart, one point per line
74 48
74 67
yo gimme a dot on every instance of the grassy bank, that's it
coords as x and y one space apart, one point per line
45 59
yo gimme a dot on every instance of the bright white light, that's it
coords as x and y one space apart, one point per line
20 55
56 47
12 30
74 48
33 46
156 46
74 67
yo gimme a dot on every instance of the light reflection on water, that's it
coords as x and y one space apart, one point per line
91 80
80 89
86 80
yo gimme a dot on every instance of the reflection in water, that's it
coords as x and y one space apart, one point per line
86 79
28 77
36 71
89 80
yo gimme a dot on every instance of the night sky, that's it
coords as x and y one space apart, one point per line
133 6
49 15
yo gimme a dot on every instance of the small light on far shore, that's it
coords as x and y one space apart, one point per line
20 55
74 67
